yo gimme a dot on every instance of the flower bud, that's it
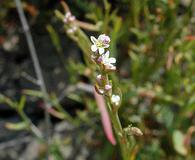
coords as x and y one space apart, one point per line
104 39
99 90
108 87
99 60
99 79
110 67
68 14
115 99
72 30
65 20
133 131
68 17
72 18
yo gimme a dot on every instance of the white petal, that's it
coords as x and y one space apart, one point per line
106 46
107 54
101 51
101 91
110 67
115 99
94 48
116 103
99 76
112 60
93 39
68 14
101 36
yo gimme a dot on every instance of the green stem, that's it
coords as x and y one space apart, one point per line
113 111
118 130
31 126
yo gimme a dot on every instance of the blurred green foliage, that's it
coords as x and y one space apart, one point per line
155 69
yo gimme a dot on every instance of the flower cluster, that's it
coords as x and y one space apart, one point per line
69 19
101 56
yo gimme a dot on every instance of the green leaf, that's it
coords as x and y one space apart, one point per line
22 103
54 37
178 142
34 93
8 101
16 126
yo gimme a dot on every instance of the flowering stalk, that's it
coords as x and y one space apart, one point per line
103 85
101 56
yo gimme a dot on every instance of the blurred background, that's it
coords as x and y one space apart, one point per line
154 43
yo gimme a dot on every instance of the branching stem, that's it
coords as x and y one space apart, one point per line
37 68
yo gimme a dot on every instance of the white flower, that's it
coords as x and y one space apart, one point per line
115 99
100 44
107 61
104 38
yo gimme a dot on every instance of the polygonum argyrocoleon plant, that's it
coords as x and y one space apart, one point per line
101 56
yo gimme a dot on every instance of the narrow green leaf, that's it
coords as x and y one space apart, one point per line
22 103
8 101
16 126
34 93
54 37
